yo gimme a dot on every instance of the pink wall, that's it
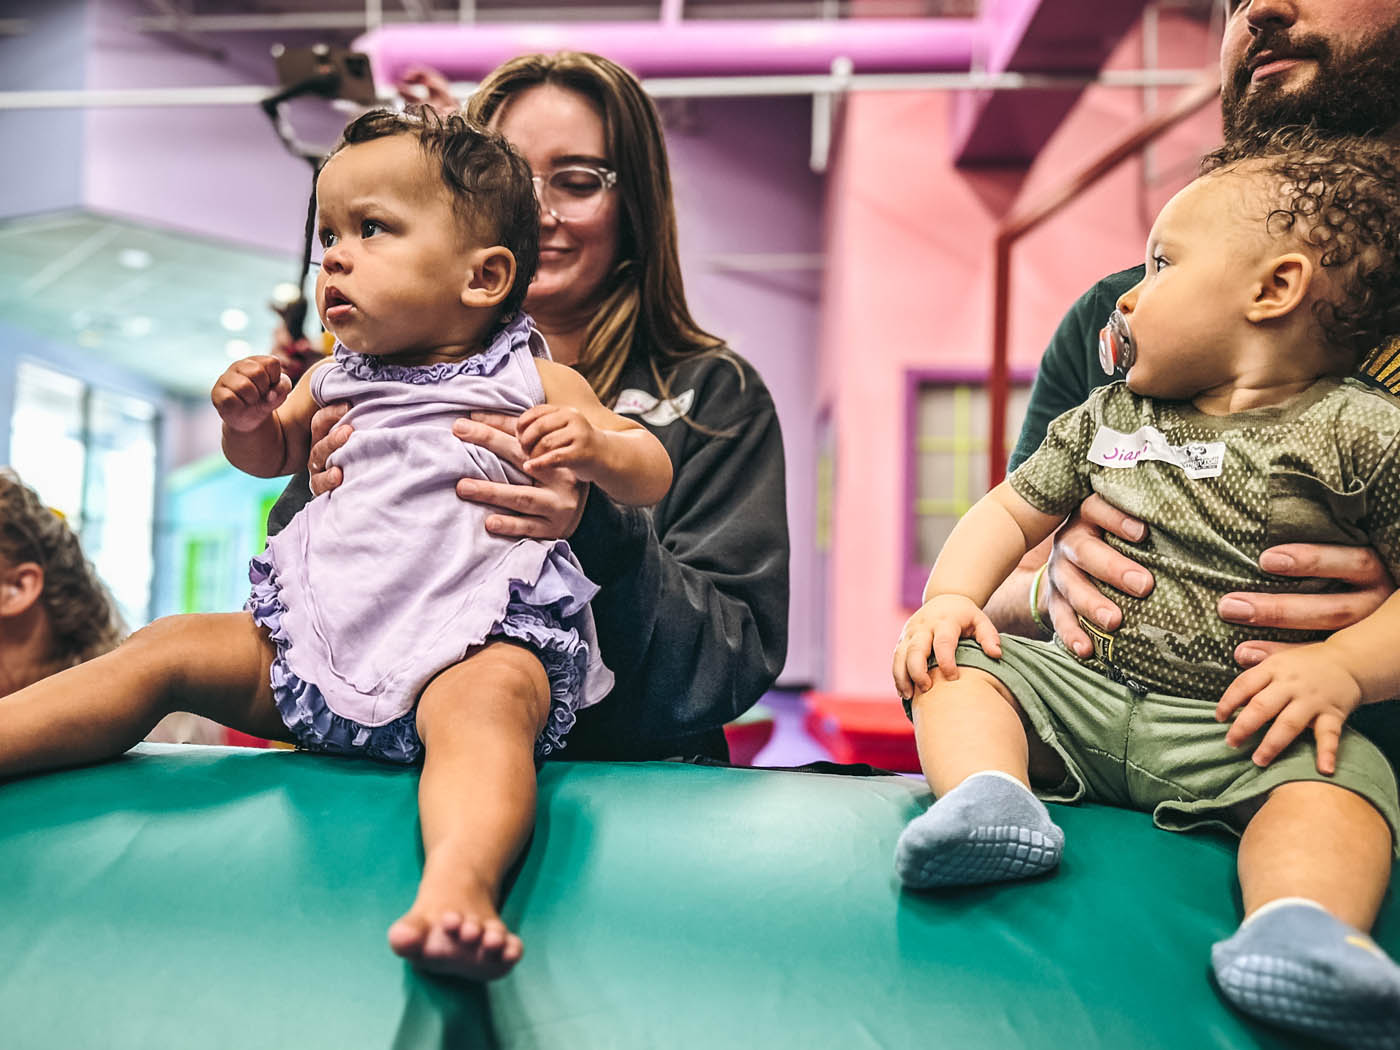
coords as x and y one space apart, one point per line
217 170
908 284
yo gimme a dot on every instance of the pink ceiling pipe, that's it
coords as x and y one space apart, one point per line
699 48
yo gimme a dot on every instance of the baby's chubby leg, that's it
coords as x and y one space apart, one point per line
476 802
211 665
986 826
1314 863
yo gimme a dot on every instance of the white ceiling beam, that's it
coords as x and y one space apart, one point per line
657 87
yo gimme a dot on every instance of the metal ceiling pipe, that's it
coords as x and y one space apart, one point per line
686 48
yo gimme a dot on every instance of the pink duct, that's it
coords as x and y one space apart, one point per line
686 49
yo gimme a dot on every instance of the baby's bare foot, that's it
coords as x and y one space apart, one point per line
453 928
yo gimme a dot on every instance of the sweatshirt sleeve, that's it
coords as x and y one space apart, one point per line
692 617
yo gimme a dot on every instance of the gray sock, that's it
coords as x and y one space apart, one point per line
1295 965
987 829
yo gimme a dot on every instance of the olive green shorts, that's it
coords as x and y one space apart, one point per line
1162 754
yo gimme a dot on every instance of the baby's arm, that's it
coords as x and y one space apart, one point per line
984 547
1316 686
267 421
573 429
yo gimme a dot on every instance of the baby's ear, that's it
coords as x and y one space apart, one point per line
20 587
489 277
1283 287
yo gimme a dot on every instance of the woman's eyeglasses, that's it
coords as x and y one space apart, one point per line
574 194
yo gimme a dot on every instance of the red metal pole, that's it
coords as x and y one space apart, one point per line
1023 220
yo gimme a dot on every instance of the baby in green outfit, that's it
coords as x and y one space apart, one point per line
1235 430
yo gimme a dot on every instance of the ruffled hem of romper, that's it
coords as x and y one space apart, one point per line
534 617
510 337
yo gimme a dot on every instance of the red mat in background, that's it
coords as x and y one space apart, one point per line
863 729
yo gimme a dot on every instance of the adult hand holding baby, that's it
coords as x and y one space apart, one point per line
550 508
1081 555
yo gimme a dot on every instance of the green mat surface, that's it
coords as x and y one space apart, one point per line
213 897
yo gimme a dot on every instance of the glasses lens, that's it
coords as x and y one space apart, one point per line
575 193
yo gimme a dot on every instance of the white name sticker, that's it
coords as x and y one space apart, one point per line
1114 449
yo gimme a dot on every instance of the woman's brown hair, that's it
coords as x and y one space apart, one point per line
643 313
82 616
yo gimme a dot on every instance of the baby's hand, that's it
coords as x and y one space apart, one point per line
944 620
559 436
250 391
1293 688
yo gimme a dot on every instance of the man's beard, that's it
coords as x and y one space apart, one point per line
1355 92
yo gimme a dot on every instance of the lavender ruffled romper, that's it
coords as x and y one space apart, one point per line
375 587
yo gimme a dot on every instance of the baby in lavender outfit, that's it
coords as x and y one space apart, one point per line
385 620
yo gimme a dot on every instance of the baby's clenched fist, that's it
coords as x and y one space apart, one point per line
250 391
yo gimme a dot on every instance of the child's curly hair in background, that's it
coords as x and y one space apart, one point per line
1340 197
82 615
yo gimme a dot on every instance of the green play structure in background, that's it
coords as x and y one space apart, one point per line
215 520
185 897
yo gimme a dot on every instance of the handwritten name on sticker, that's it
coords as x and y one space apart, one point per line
1112 448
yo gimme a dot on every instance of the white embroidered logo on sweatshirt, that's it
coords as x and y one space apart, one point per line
652 409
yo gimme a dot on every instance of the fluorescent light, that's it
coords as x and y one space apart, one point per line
134 258
236 348
136 326
285 293
233 319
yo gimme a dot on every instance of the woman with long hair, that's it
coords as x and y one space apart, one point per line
692 614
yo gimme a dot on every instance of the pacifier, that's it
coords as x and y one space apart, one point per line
1116 349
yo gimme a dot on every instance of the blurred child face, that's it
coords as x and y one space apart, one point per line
554 127
1187 313
396 255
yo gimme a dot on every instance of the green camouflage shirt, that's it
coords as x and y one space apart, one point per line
1214 492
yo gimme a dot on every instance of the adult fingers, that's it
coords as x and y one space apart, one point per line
1066 622
1099 512
496 420
1299 612
499 441
1359 566
1081 543
321 450
519 499
328 479
325 419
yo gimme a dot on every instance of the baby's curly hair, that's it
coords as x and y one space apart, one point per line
491 185
1341 197
82 615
